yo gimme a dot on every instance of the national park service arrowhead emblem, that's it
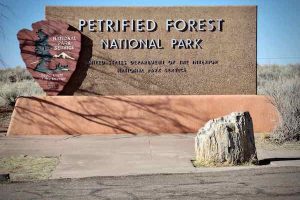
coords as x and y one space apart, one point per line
50 52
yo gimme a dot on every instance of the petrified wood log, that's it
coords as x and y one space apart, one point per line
226 140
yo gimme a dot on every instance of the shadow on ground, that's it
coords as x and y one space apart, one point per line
267 161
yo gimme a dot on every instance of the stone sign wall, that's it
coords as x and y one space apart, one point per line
162 50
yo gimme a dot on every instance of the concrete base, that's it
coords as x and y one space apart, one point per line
60 115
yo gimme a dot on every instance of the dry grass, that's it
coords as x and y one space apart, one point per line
199 164
12 75
27 168
9 92
262 141
282 83
15 82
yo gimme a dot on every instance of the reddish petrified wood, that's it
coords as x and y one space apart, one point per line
50 52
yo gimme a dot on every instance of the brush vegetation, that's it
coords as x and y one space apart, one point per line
15 82
282 84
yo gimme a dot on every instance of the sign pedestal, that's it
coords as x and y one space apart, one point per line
73 115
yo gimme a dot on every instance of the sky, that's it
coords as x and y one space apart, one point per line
278 36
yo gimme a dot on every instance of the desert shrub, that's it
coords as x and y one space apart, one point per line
16 74
15 82
282 84
10 91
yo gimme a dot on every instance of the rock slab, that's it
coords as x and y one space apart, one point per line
227 140
50 51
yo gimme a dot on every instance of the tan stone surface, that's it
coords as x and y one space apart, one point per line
57 115
234 48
